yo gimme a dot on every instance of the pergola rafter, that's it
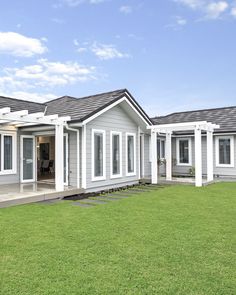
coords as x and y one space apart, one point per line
168 130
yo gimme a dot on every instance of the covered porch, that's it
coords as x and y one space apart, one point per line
168 130
19 150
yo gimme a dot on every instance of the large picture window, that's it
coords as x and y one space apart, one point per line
130 154
183 151
225 151
7 153
116 154
98 155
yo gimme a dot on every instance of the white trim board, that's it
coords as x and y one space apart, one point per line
103 132
232 164
124 98
189 151
126 154
112 176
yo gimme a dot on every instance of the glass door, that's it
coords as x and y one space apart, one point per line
27 158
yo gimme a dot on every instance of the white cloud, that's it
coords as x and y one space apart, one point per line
215 9
74 3
19 45
43 75
107 51
181 21
233 12
31 96
210 9
126 9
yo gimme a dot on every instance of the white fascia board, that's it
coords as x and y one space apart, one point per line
124 98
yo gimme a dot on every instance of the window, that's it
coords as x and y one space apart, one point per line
160 148
130 154
7 153
116 154
184 151
98 155
225 151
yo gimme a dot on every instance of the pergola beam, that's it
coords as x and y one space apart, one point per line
24 118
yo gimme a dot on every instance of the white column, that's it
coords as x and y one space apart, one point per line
84 157
59 155
154 156
168 156
210 176
198 157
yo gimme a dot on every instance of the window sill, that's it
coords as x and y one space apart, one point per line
225 166
130 174
184 164
116 176
98 178
11 172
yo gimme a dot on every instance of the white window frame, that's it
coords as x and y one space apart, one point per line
111 153
231 165
162 140
126 153
14 153
103 177
189 151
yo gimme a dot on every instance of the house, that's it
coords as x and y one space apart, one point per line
107 140
93 143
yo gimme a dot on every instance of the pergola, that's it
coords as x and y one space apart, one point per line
167 130
23 118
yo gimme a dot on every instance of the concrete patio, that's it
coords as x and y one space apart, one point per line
16 194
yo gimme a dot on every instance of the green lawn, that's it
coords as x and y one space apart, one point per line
178 240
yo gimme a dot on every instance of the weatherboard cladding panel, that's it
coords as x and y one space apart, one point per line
115 119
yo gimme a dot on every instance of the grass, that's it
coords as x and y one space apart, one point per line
178 240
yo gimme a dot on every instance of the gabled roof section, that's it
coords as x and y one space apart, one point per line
80 109
225 117
19 105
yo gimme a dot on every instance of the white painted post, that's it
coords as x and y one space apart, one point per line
154 157
59 155
168 156
210 164
198 157
84 157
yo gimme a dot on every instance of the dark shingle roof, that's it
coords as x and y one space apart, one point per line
19 105
81 108
225 117
78 109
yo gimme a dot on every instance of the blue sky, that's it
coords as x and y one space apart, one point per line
172 55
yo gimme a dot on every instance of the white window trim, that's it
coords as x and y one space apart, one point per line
103 177
189 151
111 151
126 153
231 165
14 153
162 140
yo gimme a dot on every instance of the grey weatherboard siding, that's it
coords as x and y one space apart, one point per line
114 119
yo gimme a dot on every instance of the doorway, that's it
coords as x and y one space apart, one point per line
38 159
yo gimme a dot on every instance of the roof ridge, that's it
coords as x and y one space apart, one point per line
23 100
85 97
194 111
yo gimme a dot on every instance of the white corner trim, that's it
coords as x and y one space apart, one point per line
84 157
111 154
126 153
189 151
14 153
231 165
103 132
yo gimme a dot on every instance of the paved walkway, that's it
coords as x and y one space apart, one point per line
116 196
